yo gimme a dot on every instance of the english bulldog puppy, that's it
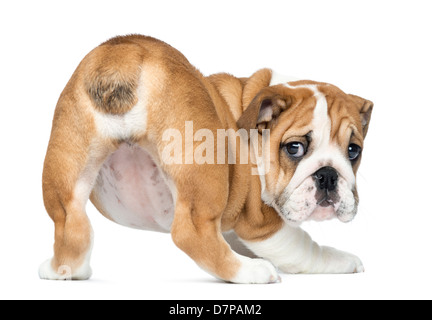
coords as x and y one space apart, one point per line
143 134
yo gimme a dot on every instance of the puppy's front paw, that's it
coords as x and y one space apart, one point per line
255 271
336 261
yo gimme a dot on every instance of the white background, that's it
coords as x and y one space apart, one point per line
380 50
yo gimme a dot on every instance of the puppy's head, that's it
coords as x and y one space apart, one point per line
316 142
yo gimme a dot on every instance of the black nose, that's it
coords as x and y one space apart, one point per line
326 178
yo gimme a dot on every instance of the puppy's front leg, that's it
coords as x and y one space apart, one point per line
293 251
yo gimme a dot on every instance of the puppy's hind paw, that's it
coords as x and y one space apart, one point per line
64 272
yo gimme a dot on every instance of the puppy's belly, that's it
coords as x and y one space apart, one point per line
131 191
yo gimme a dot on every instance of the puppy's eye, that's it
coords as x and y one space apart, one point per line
353 151
295 149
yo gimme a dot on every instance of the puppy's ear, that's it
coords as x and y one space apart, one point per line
365 109
265 107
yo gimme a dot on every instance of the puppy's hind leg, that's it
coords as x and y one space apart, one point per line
71 166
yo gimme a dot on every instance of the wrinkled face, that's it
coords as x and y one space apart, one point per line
316 140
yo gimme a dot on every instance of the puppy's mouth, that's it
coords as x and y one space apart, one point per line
326 198
325 210
325 202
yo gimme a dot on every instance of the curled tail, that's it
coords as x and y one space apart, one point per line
113 72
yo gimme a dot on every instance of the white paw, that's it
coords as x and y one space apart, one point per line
255 271
64 272
341 262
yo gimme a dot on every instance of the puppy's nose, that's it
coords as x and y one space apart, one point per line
326 178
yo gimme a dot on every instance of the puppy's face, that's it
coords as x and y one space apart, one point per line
316 140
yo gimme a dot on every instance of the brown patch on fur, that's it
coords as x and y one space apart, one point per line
266 106
276 99
113 71
350 116
254 84
230 88
365 108
197 231
257 222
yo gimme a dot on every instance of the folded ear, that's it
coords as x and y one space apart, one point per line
266 106
365 109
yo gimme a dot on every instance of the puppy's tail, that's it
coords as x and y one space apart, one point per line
112 73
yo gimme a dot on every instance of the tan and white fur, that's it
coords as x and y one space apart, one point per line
107 143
